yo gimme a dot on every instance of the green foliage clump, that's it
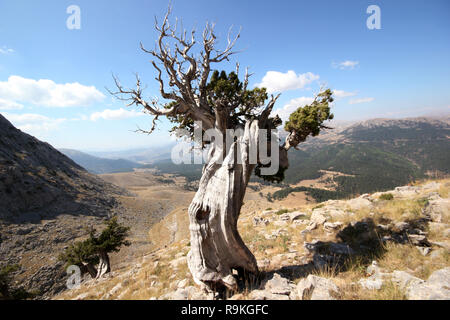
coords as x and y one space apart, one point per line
87 252
319 195
386 196
226 93
281 211
308 120
111 238
80 253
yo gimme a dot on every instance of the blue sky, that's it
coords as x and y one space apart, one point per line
52 79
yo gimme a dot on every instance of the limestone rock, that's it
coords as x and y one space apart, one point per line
359 203
265 295
438 209
316 288
406 191
311 226
332 226
404 279
371 284
318 217
437 287
296 215
278 285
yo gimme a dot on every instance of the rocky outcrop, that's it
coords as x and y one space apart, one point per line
37 181
46 201
317 288
436 287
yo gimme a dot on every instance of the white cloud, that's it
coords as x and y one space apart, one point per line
361 100
47 93
291 106
32 123
348 64
5 50
277 81
9 105
343 94
117 114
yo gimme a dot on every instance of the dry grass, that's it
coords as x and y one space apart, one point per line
155 279
399 210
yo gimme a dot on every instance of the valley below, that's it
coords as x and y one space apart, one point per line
372 196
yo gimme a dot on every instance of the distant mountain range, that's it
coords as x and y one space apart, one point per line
141 155
374 155
100 165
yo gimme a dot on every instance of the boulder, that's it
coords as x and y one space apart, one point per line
278 285
316 288
438 209
265 295
297 215
318 216
311 226
404 280
332 226
406 191
437 287
359 203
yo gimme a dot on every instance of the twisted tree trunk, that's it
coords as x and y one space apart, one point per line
216 246
103 265
88 267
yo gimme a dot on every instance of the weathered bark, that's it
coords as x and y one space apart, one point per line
103 265
216 246
89 268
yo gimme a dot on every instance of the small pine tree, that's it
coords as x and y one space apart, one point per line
94 250
111 238
308 120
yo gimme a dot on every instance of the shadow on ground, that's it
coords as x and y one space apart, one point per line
358 243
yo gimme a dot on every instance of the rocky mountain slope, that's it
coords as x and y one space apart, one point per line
46 200
391 245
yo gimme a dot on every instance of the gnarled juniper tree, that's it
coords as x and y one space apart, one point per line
91 255
193 92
